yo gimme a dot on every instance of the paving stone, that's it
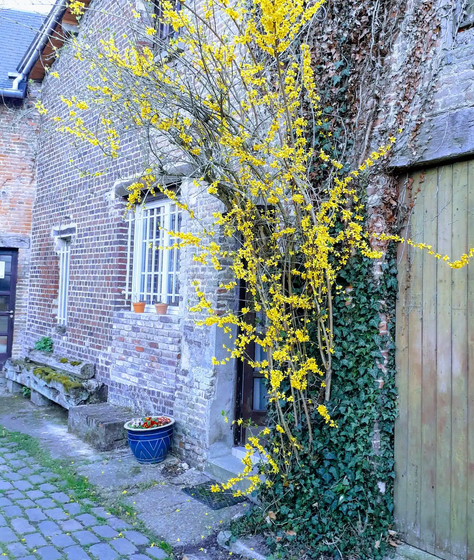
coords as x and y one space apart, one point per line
139 557
3 521
12 476
49 528
61 497
22 453
28 558
46 503
118 524
35 494
17 463
12 511
47 487
36 478
73 508
85 537
71 525
26 503
2 460
62 541
17 549
76 553
105 531
4 485
22 485
26 471
35 540
50 475
123 546
87 519
15 494
103 551
35 514
10 455
7 535
136 537
156 552
48 553
22 525
100 512
5 502
56 513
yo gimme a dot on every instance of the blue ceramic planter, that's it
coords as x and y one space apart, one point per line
150 445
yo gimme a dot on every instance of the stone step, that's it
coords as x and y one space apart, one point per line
101 425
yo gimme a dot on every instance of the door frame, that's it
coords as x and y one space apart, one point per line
10 313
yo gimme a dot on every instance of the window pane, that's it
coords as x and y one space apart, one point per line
5 284
260 394
3 344
3 325
7 259
4 303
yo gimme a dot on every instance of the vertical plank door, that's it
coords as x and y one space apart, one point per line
434 436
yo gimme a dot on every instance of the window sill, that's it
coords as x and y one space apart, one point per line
149 316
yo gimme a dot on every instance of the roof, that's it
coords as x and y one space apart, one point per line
17 31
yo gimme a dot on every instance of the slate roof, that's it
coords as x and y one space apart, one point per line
17 31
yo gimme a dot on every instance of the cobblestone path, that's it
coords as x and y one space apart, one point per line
40 521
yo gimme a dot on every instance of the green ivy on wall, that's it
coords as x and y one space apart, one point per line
338 499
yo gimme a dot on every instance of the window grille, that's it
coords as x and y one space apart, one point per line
152 263
64 264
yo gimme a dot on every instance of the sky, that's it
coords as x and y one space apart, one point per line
41 6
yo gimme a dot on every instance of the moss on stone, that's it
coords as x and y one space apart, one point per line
75 363
49 374
64 360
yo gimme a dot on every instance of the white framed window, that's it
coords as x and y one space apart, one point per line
64 252
151 258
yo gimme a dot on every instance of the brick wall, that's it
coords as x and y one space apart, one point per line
18 134
146 350
66 196
150 363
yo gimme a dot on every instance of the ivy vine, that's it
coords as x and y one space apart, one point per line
338 500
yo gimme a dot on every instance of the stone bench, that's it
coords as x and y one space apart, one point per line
66 382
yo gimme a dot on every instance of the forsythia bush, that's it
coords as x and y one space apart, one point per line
227 90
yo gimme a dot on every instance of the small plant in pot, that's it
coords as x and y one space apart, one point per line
150 437
161 308
138 306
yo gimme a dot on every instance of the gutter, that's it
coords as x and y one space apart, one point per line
34 51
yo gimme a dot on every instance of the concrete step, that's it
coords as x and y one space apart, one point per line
101 425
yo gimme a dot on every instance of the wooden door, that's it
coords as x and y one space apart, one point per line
434 436
8 278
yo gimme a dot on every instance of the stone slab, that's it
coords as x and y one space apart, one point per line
82 370
22 372
101 425
442 138
39 400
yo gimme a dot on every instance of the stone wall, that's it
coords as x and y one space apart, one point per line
18 134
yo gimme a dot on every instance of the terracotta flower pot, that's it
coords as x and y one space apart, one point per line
139 307
161 308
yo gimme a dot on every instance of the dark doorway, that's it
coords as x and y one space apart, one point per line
8 278
251 394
